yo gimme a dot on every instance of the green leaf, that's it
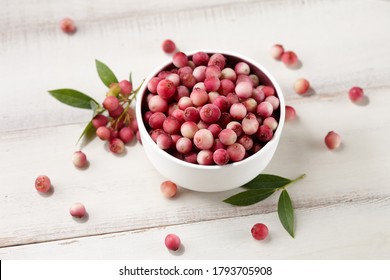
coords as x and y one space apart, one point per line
105 73
88 134
250 197
267 181
72 98
286 212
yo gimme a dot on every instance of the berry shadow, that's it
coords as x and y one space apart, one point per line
49 193
178 252
295 66
363 102
82 220
84 167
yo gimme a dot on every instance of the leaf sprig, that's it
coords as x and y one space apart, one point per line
262 187
81 100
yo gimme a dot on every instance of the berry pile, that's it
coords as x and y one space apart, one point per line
208 109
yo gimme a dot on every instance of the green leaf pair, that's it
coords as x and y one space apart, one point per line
263 186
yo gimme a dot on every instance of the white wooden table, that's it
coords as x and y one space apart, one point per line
342 206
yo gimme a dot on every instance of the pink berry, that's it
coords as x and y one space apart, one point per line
210 113
274 101
271 122
117 112
255 79
259 231
179 115
174 78
290 113
79 159
185 102
164 141
191 157
117 146
126 87
200 73
356 94
250 104
221 157
215 129
77 210
184 145
332 140
188 80
242 68
188 129
191 114
111 103
229 73
166 89
199 97
205 157
244 90
268 90
236 127
250 124
227 136
67 25
157 104
212 83
103 133
156 120
289 58
246 141
217 59
301 86
99 120
203 139
212 71
126 134
222 103
180 92
227 86
236 152
277 51
152 85
264 109
172 242
258 94
200 58
42 184
168 46
238 111
171 125
180 59
168 189
264 133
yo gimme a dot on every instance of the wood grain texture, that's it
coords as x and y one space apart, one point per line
345 191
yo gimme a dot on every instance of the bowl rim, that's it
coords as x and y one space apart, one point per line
263 150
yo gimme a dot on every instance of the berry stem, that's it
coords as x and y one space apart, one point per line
292 181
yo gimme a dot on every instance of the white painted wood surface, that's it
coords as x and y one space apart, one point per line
343 205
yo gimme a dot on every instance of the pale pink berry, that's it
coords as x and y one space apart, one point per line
246 141
180 92
179 115
301 86
184 145
259 231
332 140
67 25
126 134
236 127
126 87
199 85
289 58
184 70
188 80
174 78
255 80
218 60
99 120
157 104
42 184
229 73
77 210
111 103
264 133
250 124
258 94
200 73
203 139
168 46
79 159
117 146
227 86
271 122
199 97
274 101
215 129
238 111
205 157
241 78
290 113
356 94
188 129
221 157
227 136
168 189
242 68
164 141
166 89
277 51
264 109
268 90
212 96
172 242
236 152
152 85
156 120
250 104
212 71
244 90
200 58
103 133
210 113
185 102
180 59
171 125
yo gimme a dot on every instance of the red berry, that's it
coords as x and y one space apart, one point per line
290 113
168 46
356 94
332 140
172 242
168 189
289 58
259 231
67 25
301 86
42 183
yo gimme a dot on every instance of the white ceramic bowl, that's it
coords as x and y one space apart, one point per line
211 178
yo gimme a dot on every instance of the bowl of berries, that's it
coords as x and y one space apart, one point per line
210 120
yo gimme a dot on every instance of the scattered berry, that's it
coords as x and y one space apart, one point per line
77 210
356 94
117 146
172 242
168 189
168 46
332 140
42 184
67 25
301 86
289 58
277 51
290 113
259 231
79 159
